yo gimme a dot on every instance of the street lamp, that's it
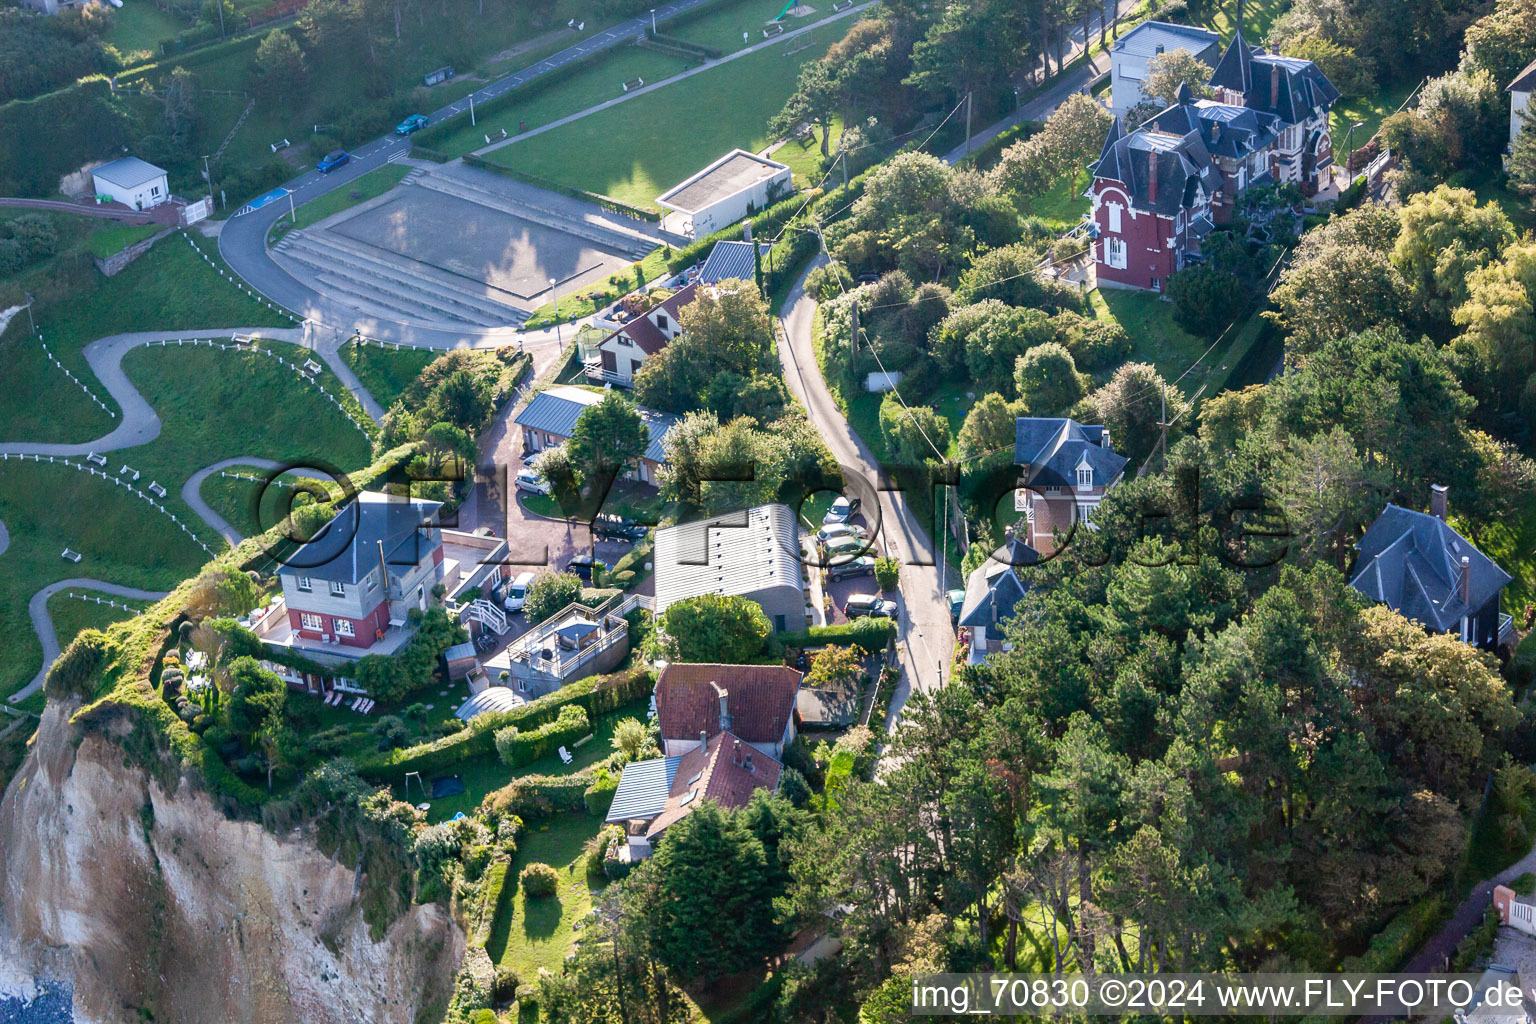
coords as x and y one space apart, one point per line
559 345
1349 143
653 21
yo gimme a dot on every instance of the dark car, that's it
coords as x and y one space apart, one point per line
414 123
333 160
864 565
581 565
608 527
860 605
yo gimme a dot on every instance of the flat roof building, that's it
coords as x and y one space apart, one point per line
723 193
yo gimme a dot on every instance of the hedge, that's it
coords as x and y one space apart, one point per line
599 796
527 747
608 203
869 635
765 222
686 45
491 885
596 695
1401 938
539 796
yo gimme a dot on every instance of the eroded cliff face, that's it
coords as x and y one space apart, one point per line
154 901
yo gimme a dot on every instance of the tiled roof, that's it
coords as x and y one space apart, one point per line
1053 448
664 790
644 332
760 700
347 548
1411 562
555 411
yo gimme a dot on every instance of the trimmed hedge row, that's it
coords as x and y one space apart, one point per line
596 695
686 45
527 747
539 796
1401 938
599 796
608 203
764 222
869 635
491 885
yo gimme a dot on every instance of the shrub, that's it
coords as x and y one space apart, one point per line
887 573
517 748
538 796
74 669
599 795
869 635
716 628
549 592
539 880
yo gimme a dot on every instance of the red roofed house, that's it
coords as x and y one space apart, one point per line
620 355
660 792
755 703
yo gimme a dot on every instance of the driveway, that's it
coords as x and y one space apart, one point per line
924 616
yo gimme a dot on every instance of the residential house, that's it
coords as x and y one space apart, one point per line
573 643
550 420
1066 469
135 183
618 357
755 703
733 187
1130 54
1519 97
657 793
1159 190
349 591
991 591
1420 567
752 553
1500 996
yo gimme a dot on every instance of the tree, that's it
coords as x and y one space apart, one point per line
629 736
256 697
834 667
682 477
1011 274
1503 41
1498 322
1131 405
913 434
1522 157
1205 299
715 628
989 427
180 104
280 67
607 437
1048 381
814 102
549 592
732 326
1327 491
1173 70
1073 134
1342 278
460 400
1445 236
995 338
1341 64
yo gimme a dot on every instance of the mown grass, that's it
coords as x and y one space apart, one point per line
743 94
1155 338
1370 111
138 26
168 288
723 26
369 186
574 307
110 241
73 615
386 372
534 933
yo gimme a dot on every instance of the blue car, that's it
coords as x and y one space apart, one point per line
332 161
414 123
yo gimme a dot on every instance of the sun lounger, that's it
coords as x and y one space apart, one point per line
565 755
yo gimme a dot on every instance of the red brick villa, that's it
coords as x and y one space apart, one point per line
1159 190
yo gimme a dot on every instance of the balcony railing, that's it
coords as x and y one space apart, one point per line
1506 629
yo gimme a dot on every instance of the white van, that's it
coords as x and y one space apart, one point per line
517 592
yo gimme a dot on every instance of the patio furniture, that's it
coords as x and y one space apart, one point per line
565 755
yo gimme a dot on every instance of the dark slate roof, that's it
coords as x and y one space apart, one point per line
555 411
1249 70
994 587
1411 562
347 548
1224 129
128 172
1525 81
1183 163
732 260
1053 447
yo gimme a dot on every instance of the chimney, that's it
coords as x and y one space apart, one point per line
1152 178
725 711
736 752
1104 440
747 764
746 231
1464 580
1160 47
703 739
1274 48
1274 86
1437 493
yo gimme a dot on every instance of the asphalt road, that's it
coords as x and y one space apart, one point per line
243 238
924 619
37 608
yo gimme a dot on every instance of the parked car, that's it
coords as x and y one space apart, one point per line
849 547
860 605
828 534
414 123
609 527
841 510
956 599
517 592
333 160
529 480
581 565
864 565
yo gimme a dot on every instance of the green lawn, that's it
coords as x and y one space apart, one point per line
47 508
110 241
599 81
386 372
574 307
168 288
1512 544
952 400
1258 15
530 934
73 615
1155 338
1494 188
139 26
1063 205
234 498
370 186
723 26
1370 111
654 155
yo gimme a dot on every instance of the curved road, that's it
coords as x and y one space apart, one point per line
243 238
924 619
191 492
37 608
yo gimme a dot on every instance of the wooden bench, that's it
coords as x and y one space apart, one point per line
633 83
775 29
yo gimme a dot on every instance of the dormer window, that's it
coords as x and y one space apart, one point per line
1084 477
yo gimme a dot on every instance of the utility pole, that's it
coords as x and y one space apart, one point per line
30 322
221 36
845 170
293 216
968 97
1162 422
853 343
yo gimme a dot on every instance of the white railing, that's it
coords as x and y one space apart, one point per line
1506 629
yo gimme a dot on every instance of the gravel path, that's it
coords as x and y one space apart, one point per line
37 608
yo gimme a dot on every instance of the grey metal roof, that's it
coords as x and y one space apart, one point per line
731 259
643 789
1053 447
739 553
1153 37
555 411
347 548
459 651
129 172
1411 562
